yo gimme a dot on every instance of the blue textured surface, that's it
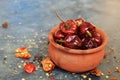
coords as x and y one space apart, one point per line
30 21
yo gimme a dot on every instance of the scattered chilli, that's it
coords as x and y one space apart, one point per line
29 68
114 79
117 69
5 24
22 53
96 72
47 64
109 72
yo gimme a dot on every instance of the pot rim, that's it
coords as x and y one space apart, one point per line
78 51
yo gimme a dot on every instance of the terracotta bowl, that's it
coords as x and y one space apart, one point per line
76 60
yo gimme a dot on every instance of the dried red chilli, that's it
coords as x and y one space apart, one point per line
29 68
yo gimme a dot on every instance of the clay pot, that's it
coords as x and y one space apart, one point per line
75 60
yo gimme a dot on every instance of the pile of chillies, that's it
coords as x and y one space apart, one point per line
77 34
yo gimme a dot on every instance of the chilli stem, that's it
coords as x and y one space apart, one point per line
59 17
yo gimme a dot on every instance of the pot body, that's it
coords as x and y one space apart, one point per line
76 60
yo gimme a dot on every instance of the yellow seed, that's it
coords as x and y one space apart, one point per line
84 76
23 79
117 68
41 77
47 74
17 50
50 65
19 66
79 23
106 77
6 62
22 53
65 76
5 56
22 61
89 79
24 64
102 74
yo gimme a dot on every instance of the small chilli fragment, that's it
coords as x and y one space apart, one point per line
96 72
51 76
22 53
114 78
47 64
109 72
117 69
5 25
29 68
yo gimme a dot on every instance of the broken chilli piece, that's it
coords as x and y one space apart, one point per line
22 53
47 64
